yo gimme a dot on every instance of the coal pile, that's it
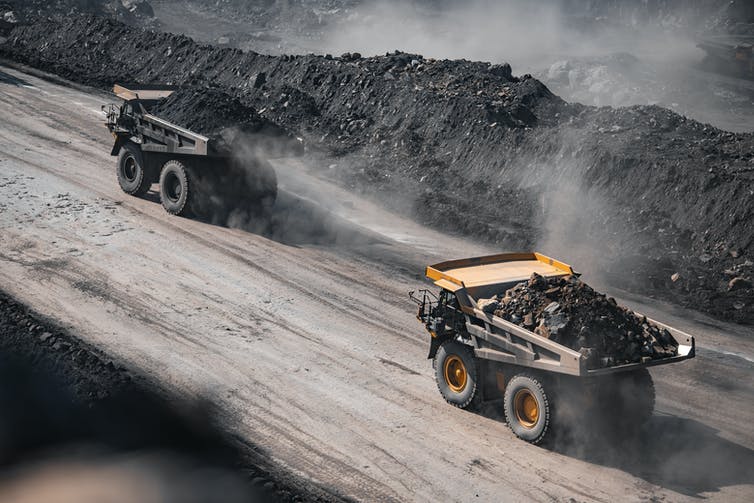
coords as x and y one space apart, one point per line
664 207
220 117
568 311
138 12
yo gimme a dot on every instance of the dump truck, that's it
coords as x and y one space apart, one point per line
478 356
730 55
196 174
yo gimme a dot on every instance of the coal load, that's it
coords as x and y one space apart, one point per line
220 117
568 311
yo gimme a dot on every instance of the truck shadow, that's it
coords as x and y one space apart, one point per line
293 220
673 452
6 78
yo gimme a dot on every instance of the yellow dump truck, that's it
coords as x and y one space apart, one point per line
479 356
731 55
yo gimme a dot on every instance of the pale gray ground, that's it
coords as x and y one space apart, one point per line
313 351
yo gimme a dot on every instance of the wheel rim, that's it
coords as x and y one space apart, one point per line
526 407
455 373
130 169
173 188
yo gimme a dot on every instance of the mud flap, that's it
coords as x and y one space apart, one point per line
434 344
119 141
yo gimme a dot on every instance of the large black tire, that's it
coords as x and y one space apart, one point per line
457 375
176 190
527 408
133 177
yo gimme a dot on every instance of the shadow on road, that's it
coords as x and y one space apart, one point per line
673 452
677 453
65 409
292 220
10 79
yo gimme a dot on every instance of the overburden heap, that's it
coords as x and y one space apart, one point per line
129 11
568 311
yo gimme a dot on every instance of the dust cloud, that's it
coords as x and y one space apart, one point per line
298 211
678 453
518 32
619 59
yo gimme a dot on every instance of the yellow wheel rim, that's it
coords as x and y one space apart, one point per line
526 408
455 373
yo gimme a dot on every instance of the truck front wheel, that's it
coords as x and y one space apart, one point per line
527 408
132 175
175 188
457 375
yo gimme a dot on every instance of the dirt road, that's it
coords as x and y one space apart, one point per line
304 336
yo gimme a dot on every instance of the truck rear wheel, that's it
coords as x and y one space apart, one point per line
527 408
629 399
457 375
132 174
257 183
175 188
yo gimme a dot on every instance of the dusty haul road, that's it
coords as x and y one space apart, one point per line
305 337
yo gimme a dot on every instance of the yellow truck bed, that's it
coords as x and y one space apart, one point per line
142 92
497 269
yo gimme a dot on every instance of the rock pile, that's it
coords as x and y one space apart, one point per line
137 12
568 311
218 116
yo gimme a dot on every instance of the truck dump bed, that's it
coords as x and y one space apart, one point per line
142 92
158 135
495 269
498 339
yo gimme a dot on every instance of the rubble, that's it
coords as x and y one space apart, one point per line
568 311
135 12
209 112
